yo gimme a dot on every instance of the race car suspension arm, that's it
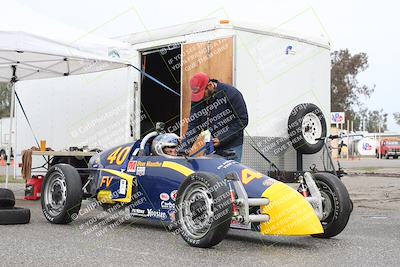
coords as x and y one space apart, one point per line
243 202
315 199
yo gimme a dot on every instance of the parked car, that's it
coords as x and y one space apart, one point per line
388 148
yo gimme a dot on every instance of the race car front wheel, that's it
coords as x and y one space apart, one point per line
204 210
61 194
336 204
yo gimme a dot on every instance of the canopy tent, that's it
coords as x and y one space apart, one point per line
37 57
36 47
27 53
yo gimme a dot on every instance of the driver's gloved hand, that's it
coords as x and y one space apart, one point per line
228 154
182 152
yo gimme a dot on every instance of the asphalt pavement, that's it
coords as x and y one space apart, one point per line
371 163
372 238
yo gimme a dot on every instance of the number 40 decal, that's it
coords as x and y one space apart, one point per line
119 155
249 175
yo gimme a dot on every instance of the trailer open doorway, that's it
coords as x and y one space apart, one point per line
157 103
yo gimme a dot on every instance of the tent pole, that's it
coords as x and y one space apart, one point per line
15 143
12 101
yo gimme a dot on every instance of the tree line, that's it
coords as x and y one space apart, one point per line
4 100
347 93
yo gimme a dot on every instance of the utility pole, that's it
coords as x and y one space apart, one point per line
348 139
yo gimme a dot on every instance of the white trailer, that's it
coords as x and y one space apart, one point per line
275 72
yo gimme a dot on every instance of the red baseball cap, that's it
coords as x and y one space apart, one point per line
198 85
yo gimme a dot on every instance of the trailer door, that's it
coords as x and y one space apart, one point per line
214 57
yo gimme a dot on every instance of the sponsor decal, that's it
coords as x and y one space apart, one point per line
122 187
153 164
269 182
141 164
226 164
132 166
138 212
167 205
173 195
156 214
164 196
140 171
106 180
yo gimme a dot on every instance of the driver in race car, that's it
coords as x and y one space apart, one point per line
165 144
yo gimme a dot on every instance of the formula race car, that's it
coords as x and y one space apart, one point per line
198 197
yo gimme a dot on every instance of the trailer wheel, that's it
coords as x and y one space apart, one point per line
204 210
7 198
61 194
306 123
336 204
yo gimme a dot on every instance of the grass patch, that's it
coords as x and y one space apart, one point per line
11 179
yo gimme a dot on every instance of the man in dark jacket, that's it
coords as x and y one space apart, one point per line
219 108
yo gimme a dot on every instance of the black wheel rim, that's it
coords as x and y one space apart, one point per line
329 203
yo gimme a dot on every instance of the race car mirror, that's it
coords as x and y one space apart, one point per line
160 126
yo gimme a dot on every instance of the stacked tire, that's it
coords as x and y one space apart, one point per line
10 214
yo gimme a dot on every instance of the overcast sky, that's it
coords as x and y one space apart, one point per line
360 26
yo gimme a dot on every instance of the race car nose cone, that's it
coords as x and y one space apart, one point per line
290 213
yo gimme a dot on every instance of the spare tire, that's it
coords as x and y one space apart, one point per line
14 216
306 123
7 198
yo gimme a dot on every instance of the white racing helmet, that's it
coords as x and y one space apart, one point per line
162 141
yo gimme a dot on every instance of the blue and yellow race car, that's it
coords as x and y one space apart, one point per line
200 198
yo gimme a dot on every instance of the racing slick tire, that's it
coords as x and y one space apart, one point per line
336 204
306 123
14 215
7 198
204 210
61 194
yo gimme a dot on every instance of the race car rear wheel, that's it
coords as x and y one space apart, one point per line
336 204
204 210
61 194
